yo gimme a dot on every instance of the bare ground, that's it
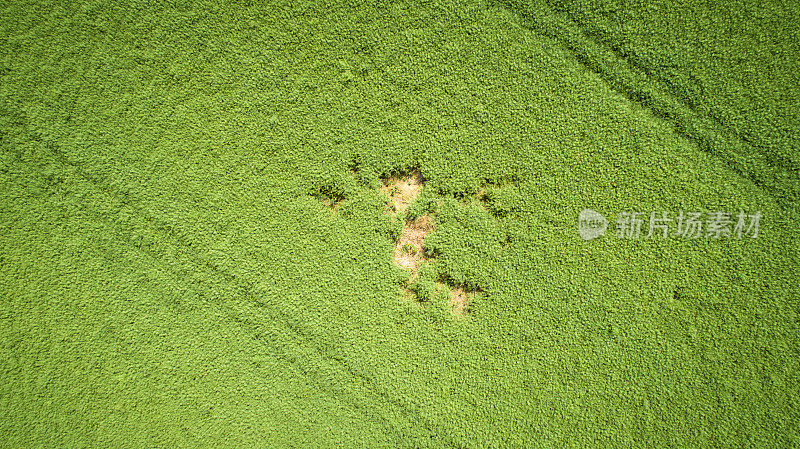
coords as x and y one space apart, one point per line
402 191
408 252
330 204
460 301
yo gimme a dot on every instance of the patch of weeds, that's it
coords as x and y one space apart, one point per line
425 285
354 166
330 195
502 201
416 207
426 203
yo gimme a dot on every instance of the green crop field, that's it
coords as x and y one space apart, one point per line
359 224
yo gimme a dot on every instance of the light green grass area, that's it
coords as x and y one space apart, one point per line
172 273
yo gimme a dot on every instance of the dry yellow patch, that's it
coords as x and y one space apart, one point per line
330 204
402 191
408 251
460 301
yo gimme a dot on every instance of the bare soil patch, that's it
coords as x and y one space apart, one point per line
408 252
330 203
460 300
402 191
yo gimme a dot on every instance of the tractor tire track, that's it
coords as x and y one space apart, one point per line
173 249
640 85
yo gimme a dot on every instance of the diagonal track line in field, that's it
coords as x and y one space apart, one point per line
176 237
669 86
638 85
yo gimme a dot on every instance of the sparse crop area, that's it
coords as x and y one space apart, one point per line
341 224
